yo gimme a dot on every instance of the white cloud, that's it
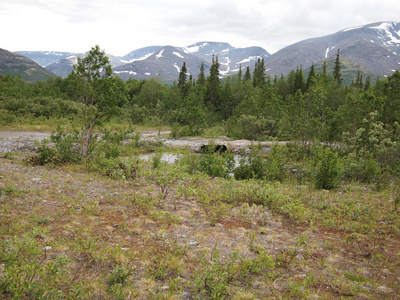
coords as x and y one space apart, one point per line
120 26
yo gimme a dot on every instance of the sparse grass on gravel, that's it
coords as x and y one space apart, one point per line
70 233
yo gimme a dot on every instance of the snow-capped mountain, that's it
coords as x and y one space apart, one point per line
45 58
373 48
63 66
166 63
139 54
230 58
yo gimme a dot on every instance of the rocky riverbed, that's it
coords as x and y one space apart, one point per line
23 141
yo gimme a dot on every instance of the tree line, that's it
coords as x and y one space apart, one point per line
250 105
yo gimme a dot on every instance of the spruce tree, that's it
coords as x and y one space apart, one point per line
337 68
358 82
247 75
367 83
299 83
310 77
182 77
240 73
324 70
213 86
259 73
201 78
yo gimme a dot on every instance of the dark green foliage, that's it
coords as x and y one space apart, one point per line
182 80
328 171
247 75
201 78
247 106
251 167
337 75
215 163
259 73
119 275
213 93
65 148
250 127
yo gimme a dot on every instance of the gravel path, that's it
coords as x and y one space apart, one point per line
20 141
25 141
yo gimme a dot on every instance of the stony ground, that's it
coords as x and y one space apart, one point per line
75 205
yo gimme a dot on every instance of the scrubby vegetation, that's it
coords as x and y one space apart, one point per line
315 217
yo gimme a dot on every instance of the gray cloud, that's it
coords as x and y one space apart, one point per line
121 26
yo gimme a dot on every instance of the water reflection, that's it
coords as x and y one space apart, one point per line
171 158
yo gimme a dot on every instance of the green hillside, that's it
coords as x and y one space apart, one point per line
18 65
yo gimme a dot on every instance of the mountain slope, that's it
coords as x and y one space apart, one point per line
18 65
372 49
166 64
230 58
44 58
64 66
373 46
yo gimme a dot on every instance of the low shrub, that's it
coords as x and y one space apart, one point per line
328 172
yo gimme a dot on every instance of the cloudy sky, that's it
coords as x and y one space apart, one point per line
120 26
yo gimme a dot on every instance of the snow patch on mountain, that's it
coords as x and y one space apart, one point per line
194 48
249 59
178 54
227 64
385 29
329 49
177 67
137 59
159 55
352 28
125 72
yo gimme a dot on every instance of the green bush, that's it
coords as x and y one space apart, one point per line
328 172
251 167
216 164
251 127
117 168
262 166
65 149
362 168
29 273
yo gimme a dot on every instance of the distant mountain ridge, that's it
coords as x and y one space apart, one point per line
373 49
18 65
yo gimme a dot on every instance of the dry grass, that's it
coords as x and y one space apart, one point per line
122 242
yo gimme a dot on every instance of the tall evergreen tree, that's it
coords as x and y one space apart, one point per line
240 73
213 86
182 80
311 76
299 83
324 70
201 78
247 75
358 82
367 83
259 73
337 69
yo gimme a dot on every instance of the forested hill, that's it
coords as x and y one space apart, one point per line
18 65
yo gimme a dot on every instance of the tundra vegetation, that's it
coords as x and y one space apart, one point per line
317 217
